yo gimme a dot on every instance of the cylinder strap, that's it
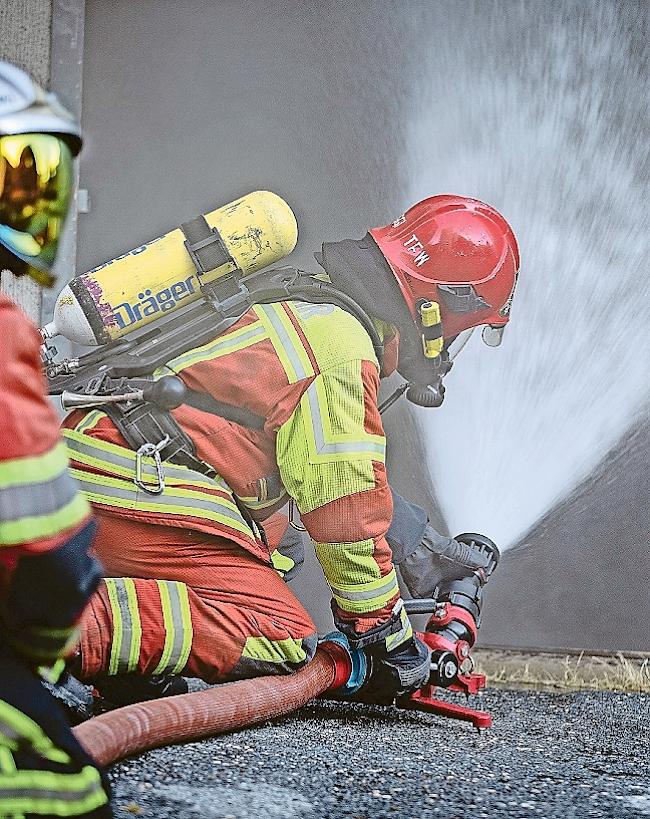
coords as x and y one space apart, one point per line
207 249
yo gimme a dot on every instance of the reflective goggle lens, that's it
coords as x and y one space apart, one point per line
36 179
492 335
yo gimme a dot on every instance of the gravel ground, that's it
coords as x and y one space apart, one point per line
552 755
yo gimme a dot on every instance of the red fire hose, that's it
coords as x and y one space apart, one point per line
137 728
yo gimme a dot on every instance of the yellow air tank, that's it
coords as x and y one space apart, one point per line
153 280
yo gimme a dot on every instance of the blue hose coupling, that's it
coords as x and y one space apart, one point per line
354 662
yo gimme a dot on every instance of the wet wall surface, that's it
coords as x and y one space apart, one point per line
351 112
579 578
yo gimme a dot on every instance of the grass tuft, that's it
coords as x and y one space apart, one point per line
564 672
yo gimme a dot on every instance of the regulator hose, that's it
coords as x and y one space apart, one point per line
134 729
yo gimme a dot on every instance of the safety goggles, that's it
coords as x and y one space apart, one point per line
36 181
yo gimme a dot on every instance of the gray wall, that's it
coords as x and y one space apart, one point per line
188 105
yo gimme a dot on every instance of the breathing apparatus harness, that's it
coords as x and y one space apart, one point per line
119 377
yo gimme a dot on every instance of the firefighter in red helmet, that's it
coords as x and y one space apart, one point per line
192 586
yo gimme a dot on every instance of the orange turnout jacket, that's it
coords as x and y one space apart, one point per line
311 372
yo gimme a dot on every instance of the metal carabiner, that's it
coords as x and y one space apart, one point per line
149 450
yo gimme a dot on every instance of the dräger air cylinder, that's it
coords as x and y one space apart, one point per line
137 287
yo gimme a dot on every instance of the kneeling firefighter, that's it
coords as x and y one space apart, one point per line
46 571
193 586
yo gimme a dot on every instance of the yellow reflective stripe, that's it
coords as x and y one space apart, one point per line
119 460
371 596
46 793
177 618
348 564
281 563
169 626
286 342
116 640
8 765
17 729
173 501
35 527
253 503
325 446
136 625
127 628
7 761
224 345
405 633
52 673
89 421
35 469
274 651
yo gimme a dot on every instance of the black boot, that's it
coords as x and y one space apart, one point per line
125 689
76 698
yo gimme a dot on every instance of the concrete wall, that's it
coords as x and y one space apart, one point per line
25 27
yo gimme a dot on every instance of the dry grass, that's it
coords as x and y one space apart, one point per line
564 672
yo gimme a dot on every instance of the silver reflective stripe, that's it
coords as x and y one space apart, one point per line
177 618
51 794
9 732
364 445
287 344
125 635
137 499
27 500
126 461
367 595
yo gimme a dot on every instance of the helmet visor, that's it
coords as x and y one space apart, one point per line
36 180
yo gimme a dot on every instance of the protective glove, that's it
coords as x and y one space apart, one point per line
396 673
439 559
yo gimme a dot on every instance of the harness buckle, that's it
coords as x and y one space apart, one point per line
149 450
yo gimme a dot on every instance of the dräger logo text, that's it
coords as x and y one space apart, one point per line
127 313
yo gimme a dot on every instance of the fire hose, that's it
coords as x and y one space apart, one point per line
450 634
136 728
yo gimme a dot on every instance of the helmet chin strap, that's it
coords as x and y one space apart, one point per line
423 386
429 391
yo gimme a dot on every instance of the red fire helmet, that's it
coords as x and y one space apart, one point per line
458 252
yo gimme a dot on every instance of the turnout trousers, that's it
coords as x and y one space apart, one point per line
178 601
43 769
